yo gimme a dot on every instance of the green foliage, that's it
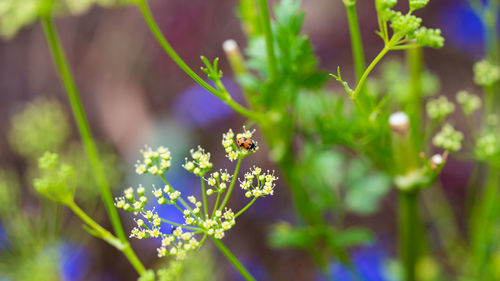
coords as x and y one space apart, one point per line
365 188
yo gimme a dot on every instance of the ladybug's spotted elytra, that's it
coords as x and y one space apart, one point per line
246 143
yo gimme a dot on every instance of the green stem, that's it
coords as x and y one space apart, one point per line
246 207
415 63
483 220
368 70
224 96
233 181
266 24
216 203
204 195
409 222
105 235
83 127
181 225
236 263
356 41
180 198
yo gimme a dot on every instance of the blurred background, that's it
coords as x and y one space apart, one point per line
134 95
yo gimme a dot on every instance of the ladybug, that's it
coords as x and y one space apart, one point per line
246 143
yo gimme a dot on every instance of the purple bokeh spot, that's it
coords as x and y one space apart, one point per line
462 28
368 263
197 107
74 261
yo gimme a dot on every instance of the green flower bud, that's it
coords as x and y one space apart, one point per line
469 103
486 73
439 108
448 138
428 37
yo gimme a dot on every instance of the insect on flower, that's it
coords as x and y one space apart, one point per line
246 143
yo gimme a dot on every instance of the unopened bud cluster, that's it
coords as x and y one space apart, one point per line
218 182
439 108
448 138
468 102
486 73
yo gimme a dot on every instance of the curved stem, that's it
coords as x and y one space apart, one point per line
216 203
83 127
236 263
235 175
266 23
224 96
246 207
368 70
180 198
105 235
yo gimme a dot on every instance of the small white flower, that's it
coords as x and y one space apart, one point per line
177 232
192 199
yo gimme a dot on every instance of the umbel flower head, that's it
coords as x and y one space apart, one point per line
178 238
439 108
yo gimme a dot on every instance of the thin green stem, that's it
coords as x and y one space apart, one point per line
216 203
409 222
222 95
236 263
233 181
415 64
356 41
83 127
181 225
204 196
164 179
266 24
368 70
246 207
107 236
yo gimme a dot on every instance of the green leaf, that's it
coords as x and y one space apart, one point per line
417 4
364 189
351 237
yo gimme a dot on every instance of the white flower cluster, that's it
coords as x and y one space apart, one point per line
129 203
175 244
215 226
166 196
258 184
201 162
218 181
234 152
156 162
